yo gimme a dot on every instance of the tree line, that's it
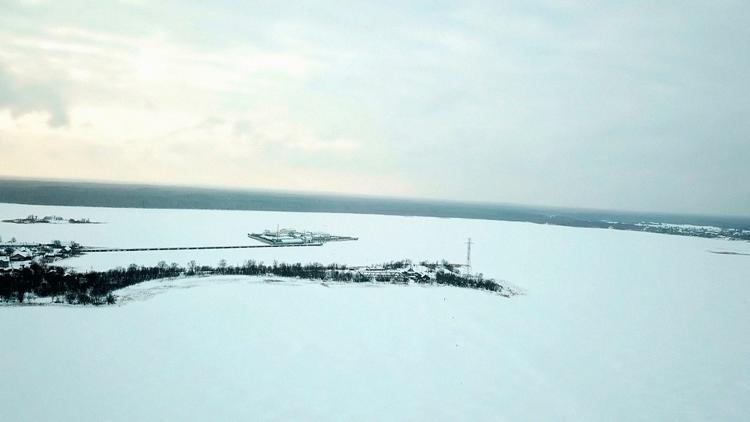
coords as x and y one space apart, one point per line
96 287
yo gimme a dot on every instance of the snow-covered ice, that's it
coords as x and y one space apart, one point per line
614 325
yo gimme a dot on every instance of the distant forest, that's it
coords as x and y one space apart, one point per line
96 287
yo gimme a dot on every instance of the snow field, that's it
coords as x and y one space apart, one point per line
614 326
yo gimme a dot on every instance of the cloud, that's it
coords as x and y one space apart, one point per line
620 105
22 97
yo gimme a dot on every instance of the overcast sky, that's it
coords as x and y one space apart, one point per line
633 105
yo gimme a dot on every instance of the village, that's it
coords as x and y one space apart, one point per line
406 271
15 255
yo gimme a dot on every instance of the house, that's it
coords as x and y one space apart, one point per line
20 256
4 263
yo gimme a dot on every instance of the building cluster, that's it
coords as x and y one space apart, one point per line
295 237
406 271
693 230
16 256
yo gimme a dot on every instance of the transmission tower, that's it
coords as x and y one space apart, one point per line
468 256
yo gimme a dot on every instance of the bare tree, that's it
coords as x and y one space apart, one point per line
191 267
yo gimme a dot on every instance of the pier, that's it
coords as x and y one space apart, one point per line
280 238
190 248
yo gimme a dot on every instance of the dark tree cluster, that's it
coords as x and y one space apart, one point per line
474 282
89 288
396 265
96 287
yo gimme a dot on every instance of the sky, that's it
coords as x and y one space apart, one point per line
627 105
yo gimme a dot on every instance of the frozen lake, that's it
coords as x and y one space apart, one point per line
614 325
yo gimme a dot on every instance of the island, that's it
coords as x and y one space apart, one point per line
50 219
